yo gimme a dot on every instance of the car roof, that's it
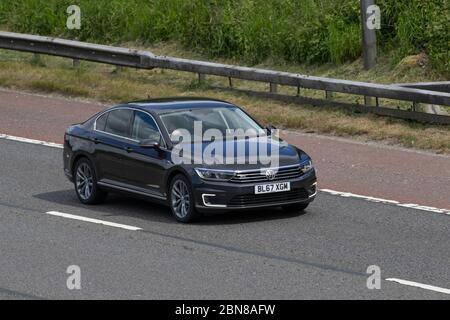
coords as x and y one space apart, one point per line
164 105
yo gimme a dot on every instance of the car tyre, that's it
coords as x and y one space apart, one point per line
181 200
85 182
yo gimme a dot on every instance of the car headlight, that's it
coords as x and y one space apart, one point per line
306 166
217 175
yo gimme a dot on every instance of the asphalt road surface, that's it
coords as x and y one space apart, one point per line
321 254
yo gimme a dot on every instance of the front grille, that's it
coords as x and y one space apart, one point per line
268 198
259 175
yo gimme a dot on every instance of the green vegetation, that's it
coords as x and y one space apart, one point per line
316 37
306 31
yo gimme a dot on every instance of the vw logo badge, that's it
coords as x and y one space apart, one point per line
270 174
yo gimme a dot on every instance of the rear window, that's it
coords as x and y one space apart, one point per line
118 122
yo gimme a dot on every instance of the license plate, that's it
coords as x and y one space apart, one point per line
272 187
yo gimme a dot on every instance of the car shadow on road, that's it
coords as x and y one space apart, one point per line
115 205
249 216
122 205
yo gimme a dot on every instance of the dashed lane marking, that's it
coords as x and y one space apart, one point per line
85 219
32 141
419 285
386 201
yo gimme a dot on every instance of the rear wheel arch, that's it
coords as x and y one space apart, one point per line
86 187
77 158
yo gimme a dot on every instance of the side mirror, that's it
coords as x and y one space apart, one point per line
270 128
149 143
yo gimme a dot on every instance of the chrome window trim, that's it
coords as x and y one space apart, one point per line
126 138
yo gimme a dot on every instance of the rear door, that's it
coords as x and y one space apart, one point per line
112 136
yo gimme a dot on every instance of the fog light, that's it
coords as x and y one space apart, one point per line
208 201
312 191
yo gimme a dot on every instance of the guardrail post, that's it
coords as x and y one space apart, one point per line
230 82
273 88
298 91
75 63
369 101
201 78
36 58
329 95
118 69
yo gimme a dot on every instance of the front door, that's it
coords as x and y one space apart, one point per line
146 166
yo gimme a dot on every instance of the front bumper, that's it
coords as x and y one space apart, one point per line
211 196
68 175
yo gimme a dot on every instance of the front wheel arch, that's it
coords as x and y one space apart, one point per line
172 174
193 215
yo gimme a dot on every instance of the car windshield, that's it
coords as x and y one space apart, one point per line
195 122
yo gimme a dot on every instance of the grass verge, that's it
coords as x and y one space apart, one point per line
108 84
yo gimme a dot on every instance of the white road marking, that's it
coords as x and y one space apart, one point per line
333 192
32 141
419 285
386 201
106 223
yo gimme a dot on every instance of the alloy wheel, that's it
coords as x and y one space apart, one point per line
180 198
84 181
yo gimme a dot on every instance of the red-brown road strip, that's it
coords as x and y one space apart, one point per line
379 171
369 169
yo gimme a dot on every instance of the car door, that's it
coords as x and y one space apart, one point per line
146 166
112 134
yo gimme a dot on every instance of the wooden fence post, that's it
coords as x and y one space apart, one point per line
273 88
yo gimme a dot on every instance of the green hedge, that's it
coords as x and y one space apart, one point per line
312 31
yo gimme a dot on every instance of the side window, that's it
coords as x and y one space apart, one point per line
101 122
118 122
144 127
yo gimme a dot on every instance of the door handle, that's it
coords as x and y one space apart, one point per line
95 140
128 149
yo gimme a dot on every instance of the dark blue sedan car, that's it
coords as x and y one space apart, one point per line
195 155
